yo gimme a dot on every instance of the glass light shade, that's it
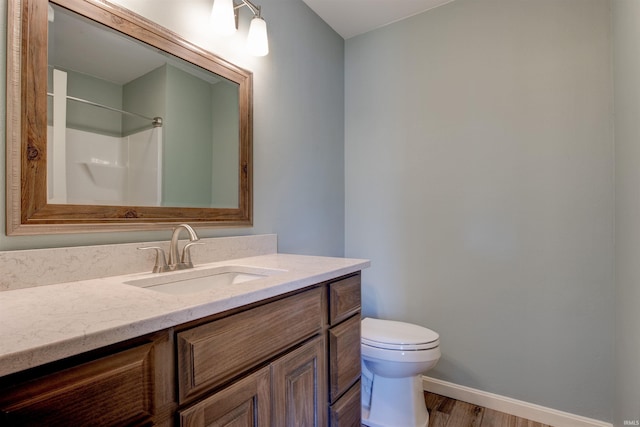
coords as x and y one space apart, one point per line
222 17
257 41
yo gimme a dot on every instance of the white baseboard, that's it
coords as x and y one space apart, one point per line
508 405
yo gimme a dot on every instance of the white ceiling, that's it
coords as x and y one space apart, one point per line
352 17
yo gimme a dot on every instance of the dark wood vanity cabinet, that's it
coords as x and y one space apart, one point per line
290 361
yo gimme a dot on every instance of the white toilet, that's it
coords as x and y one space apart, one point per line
396 354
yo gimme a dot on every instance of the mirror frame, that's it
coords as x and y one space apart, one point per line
28 212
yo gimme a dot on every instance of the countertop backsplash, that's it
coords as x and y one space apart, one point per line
38 267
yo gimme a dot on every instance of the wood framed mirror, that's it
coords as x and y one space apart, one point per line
39 191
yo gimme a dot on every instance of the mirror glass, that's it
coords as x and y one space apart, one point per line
131 125
116 123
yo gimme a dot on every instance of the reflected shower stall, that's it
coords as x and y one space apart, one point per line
100 154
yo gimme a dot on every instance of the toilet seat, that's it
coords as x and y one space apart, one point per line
401 336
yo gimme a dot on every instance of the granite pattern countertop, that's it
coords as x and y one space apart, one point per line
47 323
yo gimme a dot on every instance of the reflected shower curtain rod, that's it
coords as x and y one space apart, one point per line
155 121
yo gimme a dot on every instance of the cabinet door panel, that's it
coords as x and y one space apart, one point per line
344 356
299 391
246 403
114 390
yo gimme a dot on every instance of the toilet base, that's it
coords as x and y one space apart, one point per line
396 402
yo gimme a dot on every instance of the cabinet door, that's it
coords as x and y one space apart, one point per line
299 387
114 390
245 403
344 356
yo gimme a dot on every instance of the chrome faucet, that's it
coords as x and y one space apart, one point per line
175 263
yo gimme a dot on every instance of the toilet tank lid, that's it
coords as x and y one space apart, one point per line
393 332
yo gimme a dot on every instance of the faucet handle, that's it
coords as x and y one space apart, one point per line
186 254
161 260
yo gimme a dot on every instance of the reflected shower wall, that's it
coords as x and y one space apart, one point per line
108 170
94 161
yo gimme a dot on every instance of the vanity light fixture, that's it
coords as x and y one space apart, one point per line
224 18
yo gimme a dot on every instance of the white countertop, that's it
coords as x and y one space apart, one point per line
47 323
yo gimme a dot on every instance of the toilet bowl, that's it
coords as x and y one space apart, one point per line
396 354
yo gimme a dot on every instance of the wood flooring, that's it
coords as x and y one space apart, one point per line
446 412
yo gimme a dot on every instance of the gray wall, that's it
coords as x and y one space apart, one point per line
186 175
298 125
626 24
225 127
479 181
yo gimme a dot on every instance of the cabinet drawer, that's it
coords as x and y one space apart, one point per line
344 356
346 412
216 352
113 390
344 299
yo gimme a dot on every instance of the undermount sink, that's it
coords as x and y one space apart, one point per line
192 281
